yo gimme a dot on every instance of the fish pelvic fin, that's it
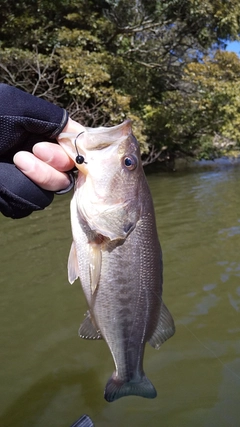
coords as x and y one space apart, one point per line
87 329
165 328
115 388
73 270
95 263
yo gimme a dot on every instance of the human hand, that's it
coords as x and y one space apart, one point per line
45 166
48 162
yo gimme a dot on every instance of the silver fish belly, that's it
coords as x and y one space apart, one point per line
122 281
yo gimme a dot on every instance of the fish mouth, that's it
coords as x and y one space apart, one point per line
103 137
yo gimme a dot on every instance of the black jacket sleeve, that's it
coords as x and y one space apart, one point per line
24 121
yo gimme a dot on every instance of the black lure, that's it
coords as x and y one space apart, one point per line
79 158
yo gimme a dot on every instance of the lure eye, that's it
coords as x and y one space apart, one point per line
79 159
130 162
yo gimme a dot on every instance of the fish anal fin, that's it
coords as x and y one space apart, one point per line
115 388
73 270
165 328
88 330
95 262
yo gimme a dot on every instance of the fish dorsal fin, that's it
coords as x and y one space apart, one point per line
165 328
73 270
95 262
87 330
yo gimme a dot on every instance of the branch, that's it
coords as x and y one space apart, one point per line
153 155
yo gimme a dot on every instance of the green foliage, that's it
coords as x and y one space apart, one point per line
203 116
217 82
151 61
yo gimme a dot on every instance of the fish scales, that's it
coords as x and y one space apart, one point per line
117 255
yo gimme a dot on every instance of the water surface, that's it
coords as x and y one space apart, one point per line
49 377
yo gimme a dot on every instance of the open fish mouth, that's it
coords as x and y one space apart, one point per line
96 138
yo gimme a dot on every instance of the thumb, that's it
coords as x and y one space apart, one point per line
40 172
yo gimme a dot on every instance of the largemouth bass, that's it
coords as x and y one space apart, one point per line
116 254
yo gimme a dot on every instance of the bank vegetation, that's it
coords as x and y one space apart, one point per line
161 63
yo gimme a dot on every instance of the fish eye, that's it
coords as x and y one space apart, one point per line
130 162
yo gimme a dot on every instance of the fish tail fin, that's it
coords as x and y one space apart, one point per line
116 388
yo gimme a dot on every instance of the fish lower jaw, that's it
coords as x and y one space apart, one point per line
117 388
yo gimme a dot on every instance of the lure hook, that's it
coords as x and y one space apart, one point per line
79 158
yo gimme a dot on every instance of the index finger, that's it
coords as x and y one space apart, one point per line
53 155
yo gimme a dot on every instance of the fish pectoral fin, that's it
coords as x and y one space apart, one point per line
88 330
164 330
73 270
95 262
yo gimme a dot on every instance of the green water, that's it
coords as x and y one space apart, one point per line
49 377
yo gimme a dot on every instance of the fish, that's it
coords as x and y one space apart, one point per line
116 253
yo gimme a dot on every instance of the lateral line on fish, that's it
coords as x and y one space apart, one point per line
131 334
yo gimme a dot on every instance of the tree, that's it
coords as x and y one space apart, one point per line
201 118
111 59
170 42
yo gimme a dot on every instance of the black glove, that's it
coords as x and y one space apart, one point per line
24 121
19 196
